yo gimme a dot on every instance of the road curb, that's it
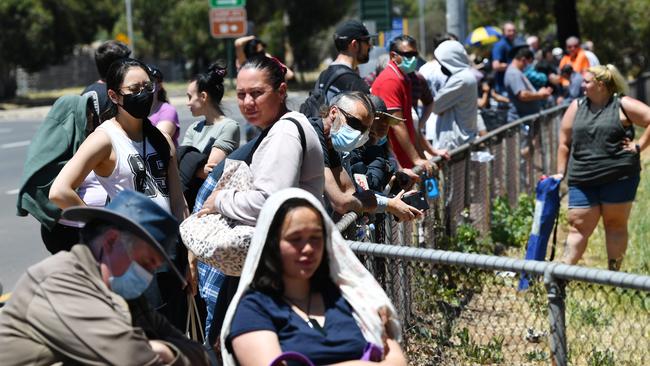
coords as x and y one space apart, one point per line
24 113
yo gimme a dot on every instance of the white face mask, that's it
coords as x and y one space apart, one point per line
135 280
131 283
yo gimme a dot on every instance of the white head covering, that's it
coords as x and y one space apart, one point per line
357 285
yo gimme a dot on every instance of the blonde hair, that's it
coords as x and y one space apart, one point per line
611 77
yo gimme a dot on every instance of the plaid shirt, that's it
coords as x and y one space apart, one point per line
210 278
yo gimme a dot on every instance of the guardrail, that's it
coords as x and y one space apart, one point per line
461 308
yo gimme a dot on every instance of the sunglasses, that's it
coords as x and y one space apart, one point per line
353 121
136 89
407 54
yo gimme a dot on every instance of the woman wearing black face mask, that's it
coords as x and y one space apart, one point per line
126 152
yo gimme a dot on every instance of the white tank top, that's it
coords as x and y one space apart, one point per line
130 170
92 193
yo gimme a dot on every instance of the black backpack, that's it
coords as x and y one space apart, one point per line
318 96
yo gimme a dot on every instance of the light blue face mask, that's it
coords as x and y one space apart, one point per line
408 65
131 283
346 138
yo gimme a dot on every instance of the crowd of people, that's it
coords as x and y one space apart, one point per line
110 182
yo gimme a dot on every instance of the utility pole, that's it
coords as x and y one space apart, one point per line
457 18
129 27
423 40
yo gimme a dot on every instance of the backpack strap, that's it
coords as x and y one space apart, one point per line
301 131
335 76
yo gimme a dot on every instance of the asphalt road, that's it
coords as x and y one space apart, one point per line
20 241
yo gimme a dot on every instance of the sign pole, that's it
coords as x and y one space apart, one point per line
230 47
129 27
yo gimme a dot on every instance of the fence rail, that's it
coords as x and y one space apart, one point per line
460 308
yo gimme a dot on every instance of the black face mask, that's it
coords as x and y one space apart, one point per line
138 106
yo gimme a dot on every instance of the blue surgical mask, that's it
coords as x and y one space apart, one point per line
408 65
131 283
382 141
346 138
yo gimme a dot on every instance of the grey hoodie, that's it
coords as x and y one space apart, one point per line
456 102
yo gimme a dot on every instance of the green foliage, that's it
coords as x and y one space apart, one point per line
467 240
536 297
592 316
601 358
511 226
38 33
487 354
536 356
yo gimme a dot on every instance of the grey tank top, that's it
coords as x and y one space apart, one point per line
597 156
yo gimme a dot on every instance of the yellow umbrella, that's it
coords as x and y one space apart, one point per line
482 36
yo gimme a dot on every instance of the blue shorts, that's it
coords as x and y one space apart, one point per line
619 191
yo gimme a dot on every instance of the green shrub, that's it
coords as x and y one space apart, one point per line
511 226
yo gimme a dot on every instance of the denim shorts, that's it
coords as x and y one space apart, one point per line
619 191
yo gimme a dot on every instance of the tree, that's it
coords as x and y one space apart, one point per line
38 33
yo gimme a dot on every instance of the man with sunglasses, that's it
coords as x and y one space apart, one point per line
344 127
394 86
353 44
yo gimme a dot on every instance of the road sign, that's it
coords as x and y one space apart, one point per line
227 3
228 22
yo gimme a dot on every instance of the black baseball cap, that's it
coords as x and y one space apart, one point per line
381 110
352 29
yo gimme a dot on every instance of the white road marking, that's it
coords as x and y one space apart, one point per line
15 144
12 191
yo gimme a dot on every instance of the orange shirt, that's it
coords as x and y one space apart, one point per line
580 63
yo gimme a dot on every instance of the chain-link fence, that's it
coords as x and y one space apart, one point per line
465 309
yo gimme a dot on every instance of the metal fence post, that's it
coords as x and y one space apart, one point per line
556 294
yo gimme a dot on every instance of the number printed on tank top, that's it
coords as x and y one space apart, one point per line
152 183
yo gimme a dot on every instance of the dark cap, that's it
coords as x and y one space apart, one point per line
381 110
351 29
136 213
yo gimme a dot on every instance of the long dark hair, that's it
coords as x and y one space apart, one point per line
268 276
114 79
211 82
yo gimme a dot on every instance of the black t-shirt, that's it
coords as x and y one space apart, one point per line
331 157
350 81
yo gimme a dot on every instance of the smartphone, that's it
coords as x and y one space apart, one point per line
416 200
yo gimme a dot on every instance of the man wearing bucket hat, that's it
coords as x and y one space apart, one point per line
71 308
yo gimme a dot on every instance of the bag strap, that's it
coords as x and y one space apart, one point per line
335 76
261 137
557 219
193 321
301 131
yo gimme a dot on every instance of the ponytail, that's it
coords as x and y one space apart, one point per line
611 77
211 83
